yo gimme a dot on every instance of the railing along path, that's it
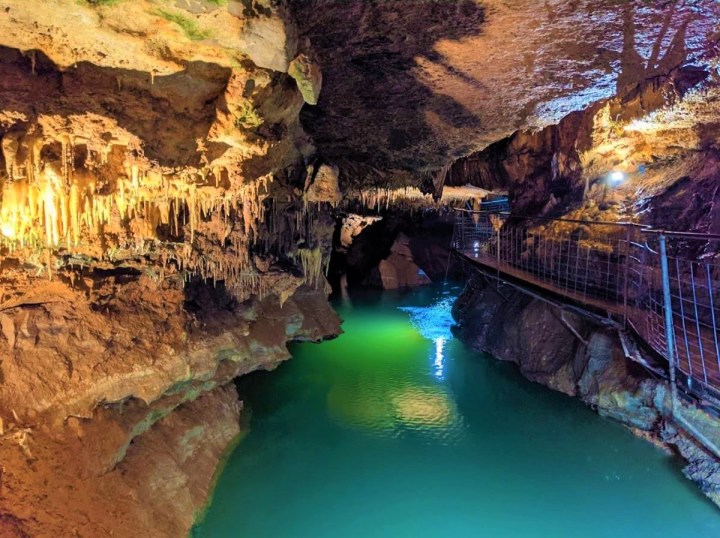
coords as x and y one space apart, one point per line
616 268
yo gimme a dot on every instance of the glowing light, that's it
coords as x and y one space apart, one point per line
433 323
439 362
53 204
617 177
8 230
423 406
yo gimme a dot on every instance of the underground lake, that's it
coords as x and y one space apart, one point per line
396 429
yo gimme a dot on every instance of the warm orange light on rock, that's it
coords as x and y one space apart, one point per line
52 204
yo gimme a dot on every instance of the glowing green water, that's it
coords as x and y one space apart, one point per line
396 430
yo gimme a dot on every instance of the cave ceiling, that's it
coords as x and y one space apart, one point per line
415 84
136 122
407 84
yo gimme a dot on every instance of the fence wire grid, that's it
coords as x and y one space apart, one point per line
616 267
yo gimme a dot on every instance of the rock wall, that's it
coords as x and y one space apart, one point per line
401 249
657 131
166 223
119 412
161 233
412 85
575 355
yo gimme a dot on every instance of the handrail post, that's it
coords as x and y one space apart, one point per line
498 255
626 276
669 332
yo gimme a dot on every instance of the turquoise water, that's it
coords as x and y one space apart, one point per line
394 429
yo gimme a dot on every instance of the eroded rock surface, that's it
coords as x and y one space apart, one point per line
166 223
399 269
581 358
130 393
156 242
156 490
416 84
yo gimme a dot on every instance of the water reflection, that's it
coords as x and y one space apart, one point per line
433 323
402 396
439 357
359 437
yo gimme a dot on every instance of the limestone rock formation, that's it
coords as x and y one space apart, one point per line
156 490
399 270
659 133
308 76
95 388
581 358
458 76
322 185
352 226
167 223
396 251
155 243
269 35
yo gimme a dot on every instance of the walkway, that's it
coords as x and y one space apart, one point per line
613 269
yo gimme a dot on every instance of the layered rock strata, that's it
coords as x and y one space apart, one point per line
119 408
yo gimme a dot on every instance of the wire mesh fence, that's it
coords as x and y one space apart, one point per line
694 292
614 266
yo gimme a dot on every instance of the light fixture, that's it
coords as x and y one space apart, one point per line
617 177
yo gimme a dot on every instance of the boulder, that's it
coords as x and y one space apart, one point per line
399 270
270 41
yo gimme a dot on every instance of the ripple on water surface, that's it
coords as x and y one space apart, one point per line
395 429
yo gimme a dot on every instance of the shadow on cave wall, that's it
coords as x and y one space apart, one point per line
169 113
634 68
368 51
526 163
375 107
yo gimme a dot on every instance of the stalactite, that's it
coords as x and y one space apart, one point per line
52 205
313 268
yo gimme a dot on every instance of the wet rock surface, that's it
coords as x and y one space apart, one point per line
160 235
399 269
458 76
577 356
397 250
138 405
167 222
48 488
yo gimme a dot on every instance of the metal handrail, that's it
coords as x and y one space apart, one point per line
644 228
686 235
619 272
477 211
553 219
670 306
